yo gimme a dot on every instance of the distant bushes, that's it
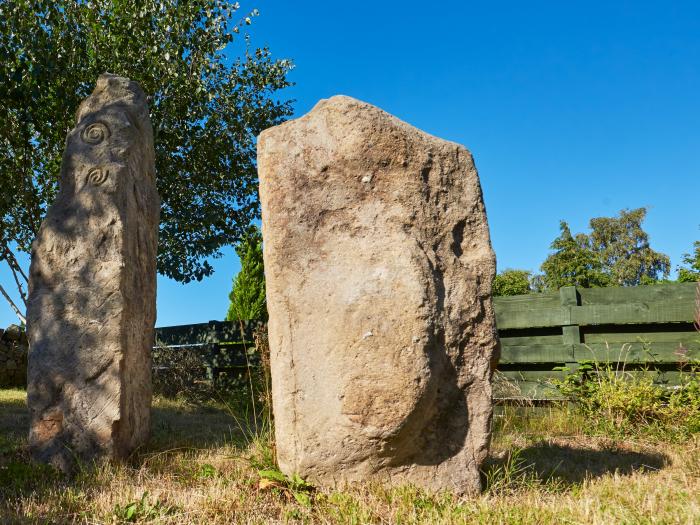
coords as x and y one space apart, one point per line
180 372
202 373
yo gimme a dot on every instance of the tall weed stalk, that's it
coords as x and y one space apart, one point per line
258 430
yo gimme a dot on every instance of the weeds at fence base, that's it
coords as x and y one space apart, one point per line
618 402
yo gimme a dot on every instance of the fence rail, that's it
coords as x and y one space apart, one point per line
213 332
222 347
646 329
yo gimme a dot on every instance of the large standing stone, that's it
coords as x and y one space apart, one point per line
379 267
92 286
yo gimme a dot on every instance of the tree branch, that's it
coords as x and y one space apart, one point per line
8 253
17 272
20 288
22 319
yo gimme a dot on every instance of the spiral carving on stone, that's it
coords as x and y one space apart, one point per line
95 133
97 176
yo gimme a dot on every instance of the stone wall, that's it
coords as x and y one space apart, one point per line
13 357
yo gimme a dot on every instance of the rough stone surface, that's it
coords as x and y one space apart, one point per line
379 268
92 286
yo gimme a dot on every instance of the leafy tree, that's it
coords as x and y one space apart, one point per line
206 108
615 253
512 282
691 272
537 284
248 293
573 263
623 248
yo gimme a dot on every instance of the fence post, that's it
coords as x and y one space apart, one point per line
571 333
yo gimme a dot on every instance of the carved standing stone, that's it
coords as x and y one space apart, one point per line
378 267
92 286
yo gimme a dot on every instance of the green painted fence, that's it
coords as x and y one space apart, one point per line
645 329
224 349
641 329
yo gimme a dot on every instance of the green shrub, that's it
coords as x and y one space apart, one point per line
512 282
248 293
691 271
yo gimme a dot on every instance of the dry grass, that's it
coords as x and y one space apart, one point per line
200 467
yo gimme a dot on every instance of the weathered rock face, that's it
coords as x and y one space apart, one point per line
92 286
378 267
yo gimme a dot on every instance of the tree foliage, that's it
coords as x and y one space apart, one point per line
573 263
512 282
691 271
248 293
206 109
615 253
623 248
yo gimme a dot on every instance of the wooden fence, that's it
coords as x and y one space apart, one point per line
646 329
643 329
223 347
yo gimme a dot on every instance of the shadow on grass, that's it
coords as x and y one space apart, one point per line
203 426
569 464
173 424
178 430
17 473
14 422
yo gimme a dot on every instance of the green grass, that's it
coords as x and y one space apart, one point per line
203 465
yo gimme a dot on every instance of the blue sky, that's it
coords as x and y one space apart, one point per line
572 110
